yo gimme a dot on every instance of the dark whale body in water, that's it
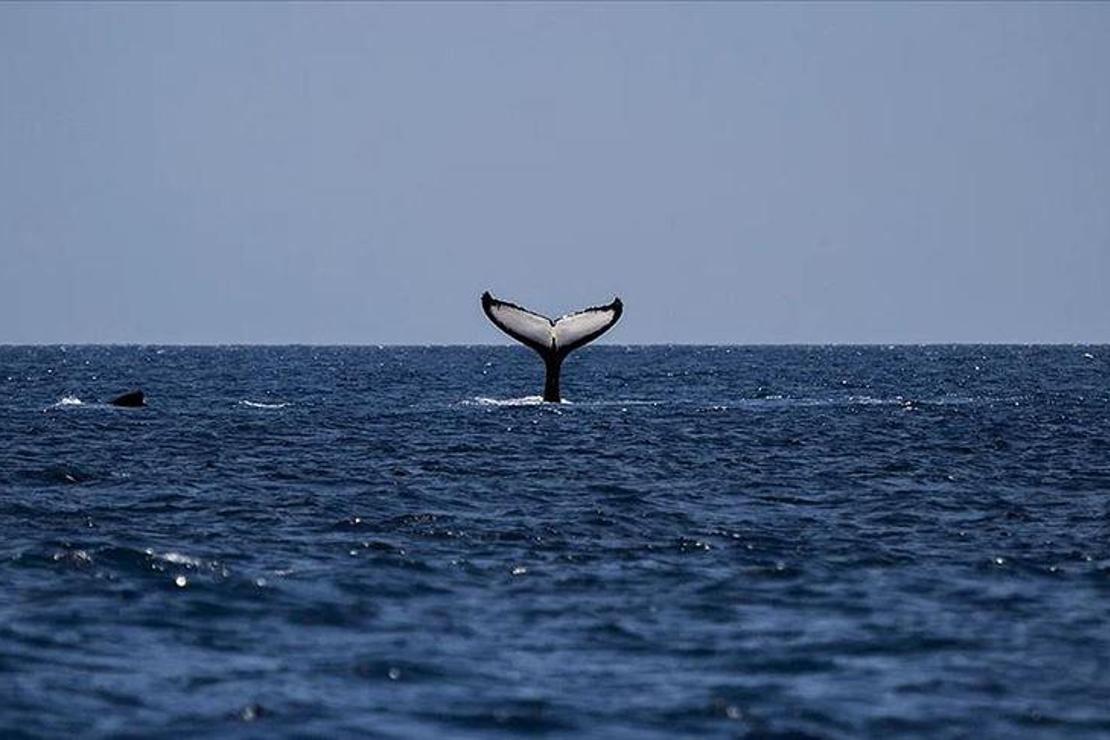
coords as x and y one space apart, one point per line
552 339
131 399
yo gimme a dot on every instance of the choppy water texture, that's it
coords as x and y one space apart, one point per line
823 541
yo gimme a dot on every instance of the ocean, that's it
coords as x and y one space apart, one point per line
402 542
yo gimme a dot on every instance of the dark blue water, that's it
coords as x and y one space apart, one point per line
823 541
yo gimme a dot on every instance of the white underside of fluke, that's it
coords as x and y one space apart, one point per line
562 334
522 324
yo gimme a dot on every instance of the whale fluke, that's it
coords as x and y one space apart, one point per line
552 339
131 399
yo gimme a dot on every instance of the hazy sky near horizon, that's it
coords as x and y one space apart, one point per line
737 173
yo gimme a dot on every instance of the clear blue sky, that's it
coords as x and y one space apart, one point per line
737 173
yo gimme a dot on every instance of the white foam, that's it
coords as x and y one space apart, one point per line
872 401
525 401
66 402
176 558
260 405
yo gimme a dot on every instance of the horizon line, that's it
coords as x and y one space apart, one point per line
389 345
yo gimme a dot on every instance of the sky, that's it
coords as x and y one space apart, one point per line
218 173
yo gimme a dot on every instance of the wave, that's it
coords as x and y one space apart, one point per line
175 558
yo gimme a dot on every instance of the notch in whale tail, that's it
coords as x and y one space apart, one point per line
552 339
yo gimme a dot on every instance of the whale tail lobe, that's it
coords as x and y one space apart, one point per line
131 399
552 339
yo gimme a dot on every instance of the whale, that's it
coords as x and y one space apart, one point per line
552 339
131 399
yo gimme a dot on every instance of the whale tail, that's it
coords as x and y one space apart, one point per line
131 399
552 339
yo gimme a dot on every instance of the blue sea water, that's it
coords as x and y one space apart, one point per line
706 541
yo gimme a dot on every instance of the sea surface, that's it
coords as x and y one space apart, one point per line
703 542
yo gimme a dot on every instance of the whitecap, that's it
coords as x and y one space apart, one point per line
260 405
174 557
